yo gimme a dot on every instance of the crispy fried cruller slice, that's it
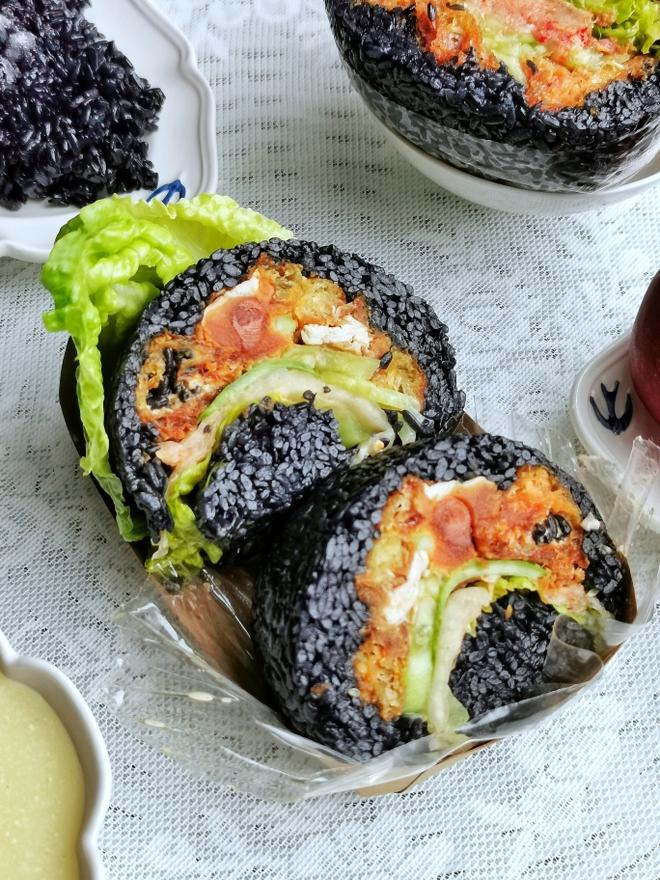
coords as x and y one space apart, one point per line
420 589
549 94
258 372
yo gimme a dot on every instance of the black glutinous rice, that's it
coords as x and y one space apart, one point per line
73 111
271 456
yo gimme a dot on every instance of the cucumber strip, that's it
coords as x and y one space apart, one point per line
506 585
406 434
282 385
431 625
322 360
444 712
419 667
384 397
485 570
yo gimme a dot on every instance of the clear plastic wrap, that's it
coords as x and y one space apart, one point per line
526 166
479 119
186 680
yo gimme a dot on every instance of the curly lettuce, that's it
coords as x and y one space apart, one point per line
106 265
632 21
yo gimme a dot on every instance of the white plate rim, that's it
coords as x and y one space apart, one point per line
579 392
189 70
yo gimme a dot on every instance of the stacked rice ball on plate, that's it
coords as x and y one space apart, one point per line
549 95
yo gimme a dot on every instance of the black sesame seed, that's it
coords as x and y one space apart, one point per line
386 360
554 528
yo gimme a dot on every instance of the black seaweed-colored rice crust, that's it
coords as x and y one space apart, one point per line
479 119
502 662
308 620
269 457
410 321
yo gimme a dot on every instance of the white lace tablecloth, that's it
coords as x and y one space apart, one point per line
528 302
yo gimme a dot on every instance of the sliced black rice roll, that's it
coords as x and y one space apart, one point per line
555 95
256 374
420 590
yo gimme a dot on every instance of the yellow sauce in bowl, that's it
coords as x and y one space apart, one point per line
42 791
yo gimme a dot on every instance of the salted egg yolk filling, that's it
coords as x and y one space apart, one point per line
271 312
448 549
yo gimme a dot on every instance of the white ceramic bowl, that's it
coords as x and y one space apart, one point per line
183 146
513 200
603 384
81 726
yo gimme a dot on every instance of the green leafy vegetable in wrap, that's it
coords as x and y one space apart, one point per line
107 264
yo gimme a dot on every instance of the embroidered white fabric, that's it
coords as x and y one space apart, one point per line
528 302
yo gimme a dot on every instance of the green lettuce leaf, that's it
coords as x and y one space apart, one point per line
635 21
106 265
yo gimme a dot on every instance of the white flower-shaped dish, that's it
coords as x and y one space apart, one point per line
607 414
81 726
513 200
184 145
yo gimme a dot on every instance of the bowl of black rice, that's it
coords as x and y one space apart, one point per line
86 112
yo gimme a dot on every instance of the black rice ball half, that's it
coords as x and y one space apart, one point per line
479 120
269 457
240 491
309 621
